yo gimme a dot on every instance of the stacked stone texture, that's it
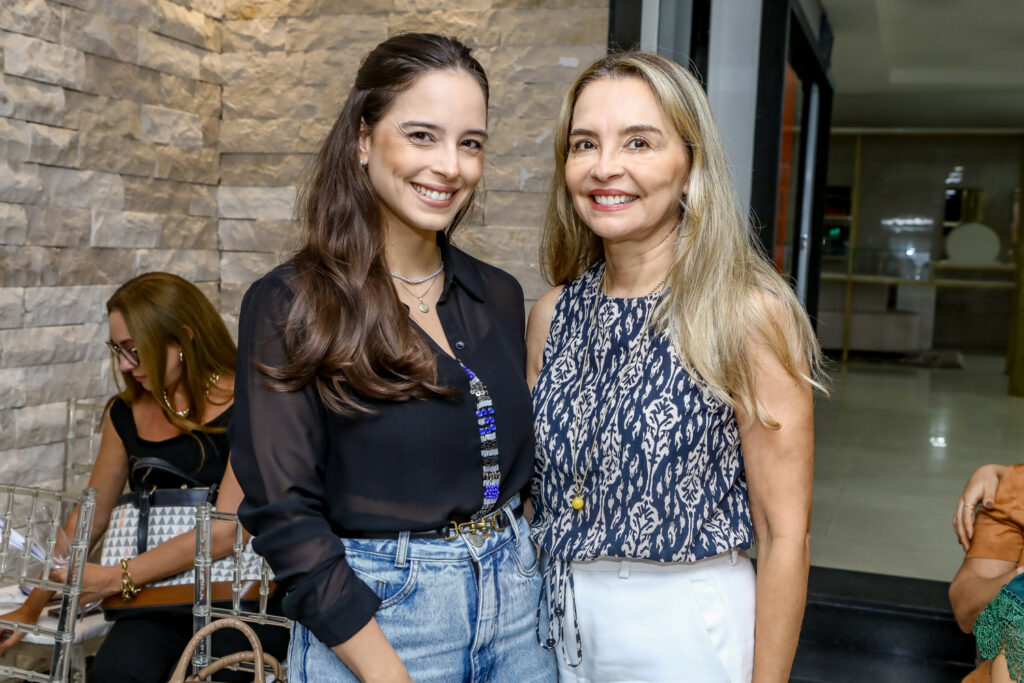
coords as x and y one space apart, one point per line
109 164
286 67
140 135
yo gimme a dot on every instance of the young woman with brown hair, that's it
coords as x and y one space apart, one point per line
166 428
383 431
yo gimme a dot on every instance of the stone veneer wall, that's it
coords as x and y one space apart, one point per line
286 67
109 162
140 135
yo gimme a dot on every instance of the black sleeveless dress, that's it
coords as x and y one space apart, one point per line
145 647
201 455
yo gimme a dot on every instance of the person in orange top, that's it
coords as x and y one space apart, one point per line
994 541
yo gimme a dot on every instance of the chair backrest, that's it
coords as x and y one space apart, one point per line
204 610
83 428
32 544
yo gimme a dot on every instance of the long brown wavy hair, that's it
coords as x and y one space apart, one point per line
347 331
160 309
721 292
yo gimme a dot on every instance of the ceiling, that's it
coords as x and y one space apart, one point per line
928 63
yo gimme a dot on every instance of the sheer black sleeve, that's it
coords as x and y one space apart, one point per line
279 447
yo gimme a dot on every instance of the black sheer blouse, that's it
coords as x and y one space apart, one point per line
311 476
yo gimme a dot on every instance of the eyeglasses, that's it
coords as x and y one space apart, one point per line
129 354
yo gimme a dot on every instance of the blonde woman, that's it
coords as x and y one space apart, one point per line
672 372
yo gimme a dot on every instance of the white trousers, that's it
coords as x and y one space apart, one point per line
671 623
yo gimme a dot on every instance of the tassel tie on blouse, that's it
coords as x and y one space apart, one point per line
557 591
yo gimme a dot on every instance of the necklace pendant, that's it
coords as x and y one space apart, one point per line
577 502
423 307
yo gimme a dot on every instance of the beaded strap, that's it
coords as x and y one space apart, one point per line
488 442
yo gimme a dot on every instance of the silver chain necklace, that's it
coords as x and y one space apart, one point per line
422 305
419 281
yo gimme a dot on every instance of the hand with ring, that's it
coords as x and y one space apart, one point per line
980 488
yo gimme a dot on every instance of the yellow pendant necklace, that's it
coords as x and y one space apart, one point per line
579 474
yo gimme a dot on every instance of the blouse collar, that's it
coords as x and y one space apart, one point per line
460 268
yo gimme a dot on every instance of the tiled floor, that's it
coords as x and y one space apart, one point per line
893 447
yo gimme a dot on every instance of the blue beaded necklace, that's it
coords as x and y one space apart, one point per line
488 442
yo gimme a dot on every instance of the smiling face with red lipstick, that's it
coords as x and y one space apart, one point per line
626 168
425 156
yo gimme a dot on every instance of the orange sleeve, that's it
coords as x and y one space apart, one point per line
983 674
999 533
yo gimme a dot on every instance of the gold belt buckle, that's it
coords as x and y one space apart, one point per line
484 528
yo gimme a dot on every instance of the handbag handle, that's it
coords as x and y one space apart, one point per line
143 498
237 658
163 466
254 655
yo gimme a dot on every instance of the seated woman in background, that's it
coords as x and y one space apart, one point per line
986 593
176 360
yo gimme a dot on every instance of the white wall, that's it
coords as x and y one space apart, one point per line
732 82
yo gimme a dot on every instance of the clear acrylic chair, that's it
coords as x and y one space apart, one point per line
32 545
242 592
83 428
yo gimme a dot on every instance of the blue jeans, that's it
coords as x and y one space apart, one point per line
453 610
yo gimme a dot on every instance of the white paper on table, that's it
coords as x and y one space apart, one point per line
17 541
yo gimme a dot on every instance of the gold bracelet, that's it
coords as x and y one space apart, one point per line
128 588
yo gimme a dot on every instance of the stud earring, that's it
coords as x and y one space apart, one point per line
181 356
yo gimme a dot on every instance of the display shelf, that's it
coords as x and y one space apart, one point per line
953 265
862 269
923 282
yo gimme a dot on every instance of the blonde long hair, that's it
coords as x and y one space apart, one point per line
161 308
722 293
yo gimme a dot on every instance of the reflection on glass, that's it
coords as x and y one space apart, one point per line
789 169
963 205
836 233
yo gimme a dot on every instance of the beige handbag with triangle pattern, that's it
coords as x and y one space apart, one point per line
141 521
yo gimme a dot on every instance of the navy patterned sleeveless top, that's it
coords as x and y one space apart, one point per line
665 480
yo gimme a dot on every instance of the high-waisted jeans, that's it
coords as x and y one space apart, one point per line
453 610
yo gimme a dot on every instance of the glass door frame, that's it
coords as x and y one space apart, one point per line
787 38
